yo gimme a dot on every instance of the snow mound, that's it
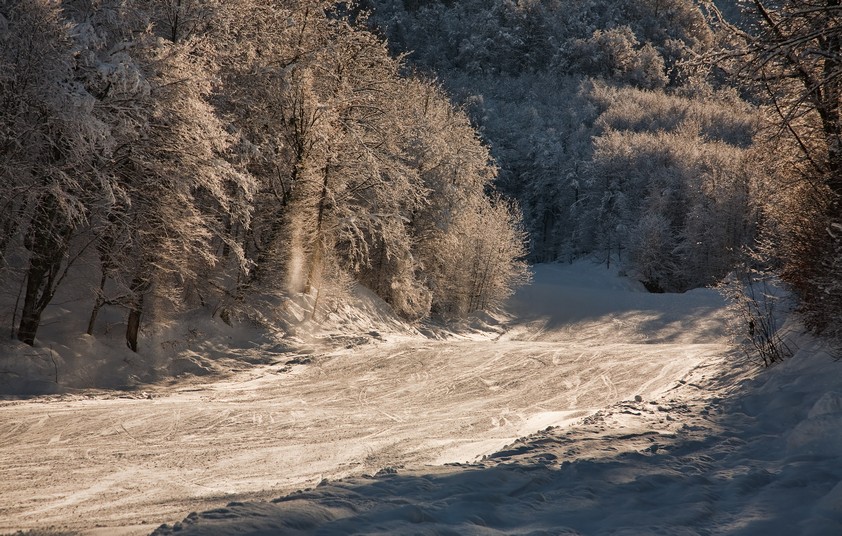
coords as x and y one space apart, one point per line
190 343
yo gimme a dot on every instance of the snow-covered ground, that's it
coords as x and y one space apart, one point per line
642 421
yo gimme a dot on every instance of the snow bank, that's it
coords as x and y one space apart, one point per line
64 359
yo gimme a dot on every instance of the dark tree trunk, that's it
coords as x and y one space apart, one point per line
47 243
39 291
267 250
105 248
138 289
100 300
276 234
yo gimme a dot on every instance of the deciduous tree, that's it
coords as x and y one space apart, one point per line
790 53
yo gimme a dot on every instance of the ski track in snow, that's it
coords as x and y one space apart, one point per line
130 463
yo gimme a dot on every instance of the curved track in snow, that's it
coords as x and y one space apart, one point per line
577 345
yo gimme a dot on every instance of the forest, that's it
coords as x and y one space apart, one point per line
686 139
420 266
185 154
198 154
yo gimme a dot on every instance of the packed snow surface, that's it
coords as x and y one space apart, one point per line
642 422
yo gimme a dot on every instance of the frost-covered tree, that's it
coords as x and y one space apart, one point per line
178 20
516 36
165 160
49 146
199 152
616 54
319 134
539 131
670 181
468 246
342 154
524 70
484 266
790 53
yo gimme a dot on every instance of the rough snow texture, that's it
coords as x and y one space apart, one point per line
715 455
649 426
65 360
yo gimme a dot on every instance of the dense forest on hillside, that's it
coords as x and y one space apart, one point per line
684 138
609 138
193 153
187 153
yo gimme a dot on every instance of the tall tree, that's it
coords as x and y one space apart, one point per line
49 141
790 52
166 154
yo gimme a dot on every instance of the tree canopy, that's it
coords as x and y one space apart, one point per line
201 153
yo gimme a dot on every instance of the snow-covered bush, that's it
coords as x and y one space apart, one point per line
756 302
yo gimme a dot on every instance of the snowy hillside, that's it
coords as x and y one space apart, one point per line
642 419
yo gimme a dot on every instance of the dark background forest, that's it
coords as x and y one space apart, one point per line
685 139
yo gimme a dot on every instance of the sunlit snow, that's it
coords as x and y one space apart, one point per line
643 418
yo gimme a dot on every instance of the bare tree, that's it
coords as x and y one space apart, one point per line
791 53
49 142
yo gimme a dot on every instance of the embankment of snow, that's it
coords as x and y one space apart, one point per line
197 343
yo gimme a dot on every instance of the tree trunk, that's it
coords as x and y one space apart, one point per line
314 273
830 103
133 325
39 278
138 289
276 235
47 244
100 300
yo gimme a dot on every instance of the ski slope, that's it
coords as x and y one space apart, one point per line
577 341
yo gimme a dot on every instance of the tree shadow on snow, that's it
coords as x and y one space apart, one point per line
728 467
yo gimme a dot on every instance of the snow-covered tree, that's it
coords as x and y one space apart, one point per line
49 146
616 54
524 69
469 245
165 160
197 151
675 176
790 53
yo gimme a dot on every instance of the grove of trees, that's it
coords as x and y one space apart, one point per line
787 54
613 143
671 135
204 152
207 152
